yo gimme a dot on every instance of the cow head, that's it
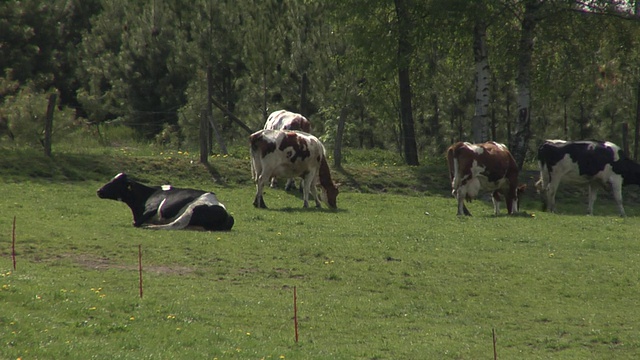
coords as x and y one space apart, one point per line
629 169
116 189
513 202
329 195
519 191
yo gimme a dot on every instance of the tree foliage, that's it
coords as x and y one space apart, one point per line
145 65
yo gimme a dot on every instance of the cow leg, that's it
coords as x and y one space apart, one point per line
274 183
314 193
181 222
462 209
305 192
495 198
309 187
616 188
259 201
291 184
550 192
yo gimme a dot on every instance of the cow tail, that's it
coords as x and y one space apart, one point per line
451 164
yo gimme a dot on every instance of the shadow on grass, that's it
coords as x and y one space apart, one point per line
350 179
21 165
300 209
215 174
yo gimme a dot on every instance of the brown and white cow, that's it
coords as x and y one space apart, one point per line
488 166
291 154
287 120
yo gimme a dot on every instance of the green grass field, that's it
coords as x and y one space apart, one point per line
376 279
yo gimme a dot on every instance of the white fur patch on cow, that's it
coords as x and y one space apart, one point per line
159 212
184 218
166 187
615 148
569 172
475 148
502 146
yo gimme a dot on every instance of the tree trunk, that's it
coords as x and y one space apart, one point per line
522 129
404 81
337 147
304 89
507 102
264 94
636 133
214 128
434 125
625 138
204 137
480 121
48 124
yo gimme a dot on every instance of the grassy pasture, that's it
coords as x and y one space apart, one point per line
377 279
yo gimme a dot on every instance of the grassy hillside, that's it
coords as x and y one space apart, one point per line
376 279
364 171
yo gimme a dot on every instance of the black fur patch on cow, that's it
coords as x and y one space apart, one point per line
299 145
591 156
262 143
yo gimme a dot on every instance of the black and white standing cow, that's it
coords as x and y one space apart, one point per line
488 166
291 154
287 120
592 163
167 208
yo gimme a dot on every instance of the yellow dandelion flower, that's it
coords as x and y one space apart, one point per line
92 308
132 318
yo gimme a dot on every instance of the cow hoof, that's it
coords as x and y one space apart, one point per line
259 204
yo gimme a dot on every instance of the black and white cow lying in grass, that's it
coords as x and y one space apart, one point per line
167 208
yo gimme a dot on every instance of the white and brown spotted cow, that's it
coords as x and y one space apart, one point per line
287 120
291 154
488 166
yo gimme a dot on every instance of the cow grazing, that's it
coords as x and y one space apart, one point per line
592 163
287 120
166 207
488 166
291 154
